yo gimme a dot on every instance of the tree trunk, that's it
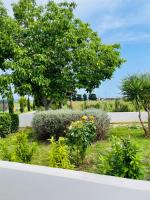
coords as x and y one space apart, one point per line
140 118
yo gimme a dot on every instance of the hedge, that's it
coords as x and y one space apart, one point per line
5 124
55 123
14 122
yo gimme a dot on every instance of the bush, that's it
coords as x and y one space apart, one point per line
5 124
123 160
79 136
14 122
23 150
55 123
59 154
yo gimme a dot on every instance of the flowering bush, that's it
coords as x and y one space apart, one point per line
80 135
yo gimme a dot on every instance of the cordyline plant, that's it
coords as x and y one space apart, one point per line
136 88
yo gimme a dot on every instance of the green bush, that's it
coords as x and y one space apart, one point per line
14 122
5 149
123 160
79 136
23 150
5 124
59 154
55 123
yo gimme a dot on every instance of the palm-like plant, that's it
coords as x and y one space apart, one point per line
136 88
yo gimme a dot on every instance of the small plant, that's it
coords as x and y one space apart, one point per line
80 135
23 150
59 154
123 160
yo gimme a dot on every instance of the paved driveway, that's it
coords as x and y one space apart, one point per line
116 117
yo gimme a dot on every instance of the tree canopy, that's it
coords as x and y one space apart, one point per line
54 52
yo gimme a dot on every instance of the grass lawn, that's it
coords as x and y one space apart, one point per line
92 156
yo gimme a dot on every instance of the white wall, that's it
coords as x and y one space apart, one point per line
27 182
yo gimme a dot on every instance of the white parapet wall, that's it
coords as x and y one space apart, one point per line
28 182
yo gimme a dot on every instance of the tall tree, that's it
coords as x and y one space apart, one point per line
136 88
58 53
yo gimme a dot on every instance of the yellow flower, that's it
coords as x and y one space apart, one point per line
84 117
91 118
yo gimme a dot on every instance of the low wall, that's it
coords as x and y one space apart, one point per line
28 182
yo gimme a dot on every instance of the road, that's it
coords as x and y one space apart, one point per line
116 117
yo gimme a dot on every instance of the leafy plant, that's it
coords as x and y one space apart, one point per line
14 123
23 150
123 160
80 135
5 124
59 154
5 152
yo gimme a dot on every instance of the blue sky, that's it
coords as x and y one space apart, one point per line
118 21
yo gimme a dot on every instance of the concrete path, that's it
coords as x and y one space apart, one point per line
116 117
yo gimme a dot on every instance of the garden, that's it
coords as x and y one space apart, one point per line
46 55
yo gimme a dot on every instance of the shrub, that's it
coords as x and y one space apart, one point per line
59 154
5 153
23 150
80 135
14 122
123 160
55 123
5 124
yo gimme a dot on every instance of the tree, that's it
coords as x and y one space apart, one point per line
92 97
136 88
23 103
85 97
28 103
58 53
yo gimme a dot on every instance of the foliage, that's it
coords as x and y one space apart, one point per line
23 150
28 104
55 53
5 124
11 102
79 97
14 123
121 107
92 97
55 123
122 160
136 88
84 97
59 154
23 103
5 152
102 122
80 135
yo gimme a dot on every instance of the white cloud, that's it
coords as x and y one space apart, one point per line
117 17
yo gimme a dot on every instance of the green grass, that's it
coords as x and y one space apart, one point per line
107 105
